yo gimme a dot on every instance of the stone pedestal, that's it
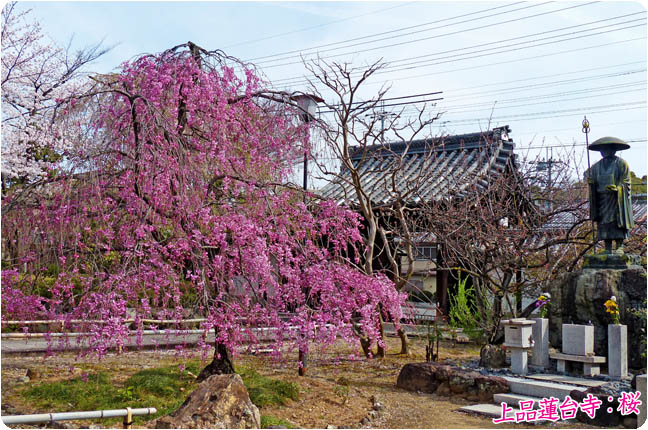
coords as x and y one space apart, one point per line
641 387
610 261
540 350
578 298
519 361
518 335
617 351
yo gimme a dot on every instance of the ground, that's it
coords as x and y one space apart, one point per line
335 392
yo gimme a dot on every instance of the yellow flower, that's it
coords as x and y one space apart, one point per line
612 308
610 304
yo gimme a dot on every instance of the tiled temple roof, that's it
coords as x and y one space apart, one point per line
426 170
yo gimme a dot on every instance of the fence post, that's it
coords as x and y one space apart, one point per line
128 419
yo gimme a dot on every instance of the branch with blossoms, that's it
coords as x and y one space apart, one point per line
187 210
37 78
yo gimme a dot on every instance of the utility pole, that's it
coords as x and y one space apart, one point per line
382 114
548 165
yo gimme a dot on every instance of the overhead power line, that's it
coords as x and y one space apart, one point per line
275 36
490 106
548 114
397 104
539 85
305 81
392 67
525 87
393 98
571 27
570 145
510 47
639 104
533 78
606 90
452 109
605 124
342 42
480 27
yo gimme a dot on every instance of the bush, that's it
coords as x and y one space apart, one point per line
462 310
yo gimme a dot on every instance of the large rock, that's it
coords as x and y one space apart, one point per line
448 380
219 402
603 417
492 356
579 297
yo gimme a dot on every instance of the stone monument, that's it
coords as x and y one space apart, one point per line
609 203
578 297
518 337
540 333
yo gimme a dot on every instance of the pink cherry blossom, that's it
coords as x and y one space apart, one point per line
185 212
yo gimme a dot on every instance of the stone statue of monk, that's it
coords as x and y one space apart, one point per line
609 193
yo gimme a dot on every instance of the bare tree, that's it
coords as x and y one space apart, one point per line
510 234
375 179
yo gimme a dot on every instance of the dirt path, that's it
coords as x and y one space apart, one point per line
335 392
325 402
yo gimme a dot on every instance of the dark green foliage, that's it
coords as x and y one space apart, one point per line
637 185
641 315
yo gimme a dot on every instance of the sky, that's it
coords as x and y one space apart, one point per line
538 67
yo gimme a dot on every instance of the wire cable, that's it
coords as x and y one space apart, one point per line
528 87
306 81
432 37
452 109
482 53
313 48
275 36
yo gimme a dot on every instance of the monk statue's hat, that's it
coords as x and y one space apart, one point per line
608 142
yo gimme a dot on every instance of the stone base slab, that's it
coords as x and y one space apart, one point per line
610 261
591 359
445 380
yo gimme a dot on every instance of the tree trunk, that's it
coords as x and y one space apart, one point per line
366 347
364 341
220 365
404 342
381 349
442 288
303 356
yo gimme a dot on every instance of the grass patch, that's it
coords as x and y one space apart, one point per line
266 391
76 394
270 421
162 382
163 388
